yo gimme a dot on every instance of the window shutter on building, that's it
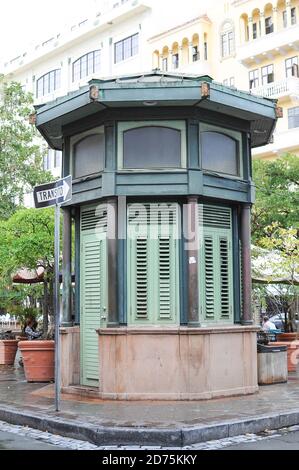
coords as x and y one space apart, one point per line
93 288
153 269
215 265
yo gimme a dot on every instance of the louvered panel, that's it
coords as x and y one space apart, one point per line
224 278
93 285
209 278
141 278
153 214
94 218
215 216
164 277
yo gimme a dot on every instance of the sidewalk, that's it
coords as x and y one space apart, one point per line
151 423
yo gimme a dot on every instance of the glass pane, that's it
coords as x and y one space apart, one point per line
57 79
76 71
127 48
83 72
219 153
152 147
118 52
89 155
135 44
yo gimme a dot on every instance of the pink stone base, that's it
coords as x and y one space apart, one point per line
177 363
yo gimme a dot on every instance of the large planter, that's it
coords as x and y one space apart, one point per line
8 350
38 358
287 337
292 352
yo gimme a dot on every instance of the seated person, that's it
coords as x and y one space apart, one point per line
268 325
30 329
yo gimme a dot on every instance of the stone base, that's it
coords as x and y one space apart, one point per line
177 363
70 356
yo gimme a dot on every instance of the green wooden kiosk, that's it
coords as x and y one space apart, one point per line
162 192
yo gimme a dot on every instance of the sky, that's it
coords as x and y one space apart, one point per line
25 21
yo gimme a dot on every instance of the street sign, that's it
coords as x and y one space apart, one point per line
54 193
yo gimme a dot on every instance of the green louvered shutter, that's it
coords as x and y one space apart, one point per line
93 289
153 272
216 275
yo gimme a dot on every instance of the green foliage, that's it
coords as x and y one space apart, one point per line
277 194
20 148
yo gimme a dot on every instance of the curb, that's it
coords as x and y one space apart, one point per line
125 436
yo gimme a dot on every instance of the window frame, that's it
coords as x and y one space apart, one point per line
294 61
266 67
269 25
254 79
123 126
75 140
45 81
84 60
237 136
293 116
121 44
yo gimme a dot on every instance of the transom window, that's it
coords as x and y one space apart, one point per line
87 65
152 145
292 67
220 150
126 48
88 153
48 83
267 74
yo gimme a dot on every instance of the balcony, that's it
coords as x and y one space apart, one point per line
199 67
284 141
269 46
279 89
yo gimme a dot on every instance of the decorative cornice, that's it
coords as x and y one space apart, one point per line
203 18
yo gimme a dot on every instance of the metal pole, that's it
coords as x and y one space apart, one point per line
57 307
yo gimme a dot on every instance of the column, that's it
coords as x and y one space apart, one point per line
180 52
170 60
190 53
246 264
275 19
289 16
67 268
191 239
112 242
201 47
263 29
250 29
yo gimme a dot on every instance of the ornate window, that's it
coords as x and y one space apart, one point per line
88 153
220 150
227 39
48 83
152 145
87 65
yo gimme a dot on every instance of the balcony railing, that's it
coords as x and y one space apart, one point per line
278 89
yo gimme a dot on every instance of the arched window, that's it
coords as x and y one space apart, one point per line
152 145
220 153
87 65
227 39
48 83
88 155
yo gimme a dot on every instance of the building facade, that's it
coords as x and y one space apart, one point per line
248 44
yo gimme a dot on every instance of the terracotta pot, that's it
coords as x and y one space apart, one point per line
287 337
292 352
38 359
8 349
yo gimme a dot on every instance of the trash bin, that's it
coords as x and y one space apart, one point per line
272 364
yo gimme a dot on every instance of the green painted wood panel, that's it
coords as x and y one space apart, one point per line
216 265
153 267
93 289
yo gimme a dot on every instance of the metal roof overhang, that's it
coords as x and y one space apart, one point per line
259 112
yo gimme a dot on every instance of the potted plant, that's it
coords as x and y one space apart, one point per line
28 248
8 348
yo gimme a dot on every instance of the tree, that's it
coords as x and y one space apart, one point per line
27 241
20 148
277 194
277 264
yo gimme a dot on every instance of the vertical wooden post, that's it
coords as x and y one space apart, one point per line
191 234
67 268
112 241
246 264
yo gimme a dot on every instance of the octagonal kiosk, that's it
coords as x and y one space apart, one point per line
162 191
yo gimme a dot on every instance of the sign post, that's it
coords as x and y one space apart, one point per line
46 195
